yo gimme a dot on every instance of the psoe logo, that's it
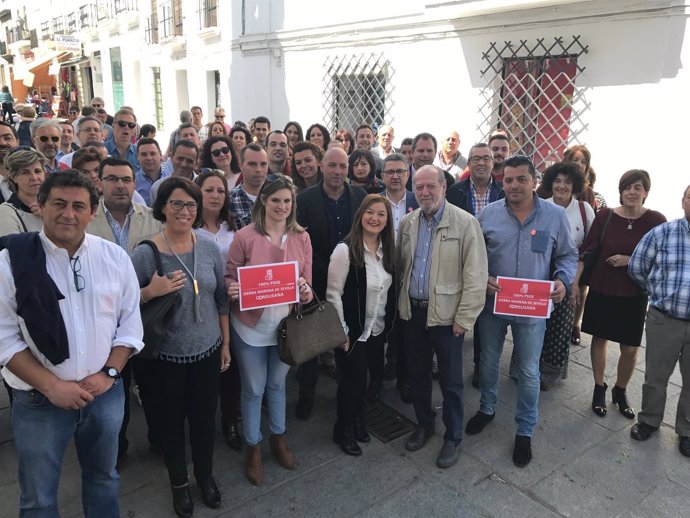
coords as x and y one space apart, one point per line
525 288
269 275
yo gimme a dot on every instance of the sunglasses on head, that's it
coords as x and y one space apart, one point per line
216 152
130 125
44 138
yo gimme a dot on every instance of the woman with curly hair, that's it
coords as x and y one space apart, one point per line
218 153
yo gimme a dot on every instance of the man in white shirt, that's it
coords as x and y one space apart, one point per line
384 136
62 353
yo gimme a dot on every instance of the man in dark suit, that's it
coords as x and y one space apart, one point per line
326 211
396 171
472 195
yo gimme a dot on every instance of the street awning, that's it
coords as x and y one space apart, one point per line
46 60
74 61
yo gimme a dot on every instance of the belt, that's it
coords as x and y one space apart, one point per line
421 304
664 312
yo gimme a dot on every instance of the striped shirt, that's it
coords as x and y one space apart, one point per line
661 264
421 265
120 233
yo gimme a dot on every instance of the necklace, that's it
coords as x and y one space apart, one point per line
192 275
630 222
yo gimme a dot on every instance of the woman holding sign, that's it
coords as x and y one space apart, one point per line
273 237
616 307
361 287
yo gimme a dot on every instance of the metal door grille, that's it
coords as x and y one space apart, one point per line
357 90
531 92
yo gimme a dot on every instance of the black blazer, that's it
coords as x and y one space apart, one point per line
458 194
355 303
311 214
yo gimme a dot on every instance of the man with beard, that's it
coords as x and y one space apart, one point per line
499 143
364 140
8 140
277 150
261 128
184 159
45 134
254 167
472 195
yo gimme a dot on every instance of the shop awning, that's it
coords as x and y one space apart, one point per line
47 60
74 61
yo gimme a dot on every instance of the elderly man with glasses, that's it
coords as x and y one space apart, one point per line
46 134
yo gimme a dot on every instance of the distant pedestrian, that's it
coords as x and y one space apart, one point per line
7 103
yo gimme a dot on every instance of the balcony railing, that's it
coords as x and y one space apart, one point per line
109 9
88 15
151 30
15 34
170 21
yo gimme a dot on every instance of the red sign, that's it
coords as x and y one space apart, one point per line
268 285
523 298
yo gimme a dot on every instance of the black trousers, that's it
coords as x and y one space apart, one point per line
187 391
420 344
352 374
126 374
476 342
396 353
376 359
145 375
230 391
307 376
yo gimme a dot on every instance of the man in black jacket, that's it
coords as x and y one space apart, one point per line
472 195
326 211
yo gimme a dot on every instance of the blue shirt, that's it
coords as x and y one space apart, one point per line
661 264
120 233
144 182
130 155
421 265
528 250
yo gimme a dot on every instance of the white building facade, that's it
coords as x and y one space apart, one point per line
607 74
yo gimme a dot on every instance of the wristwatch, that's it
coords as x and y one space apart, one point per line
111 372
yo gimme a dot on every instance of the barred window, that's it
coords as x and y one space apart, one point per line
357 90
531 92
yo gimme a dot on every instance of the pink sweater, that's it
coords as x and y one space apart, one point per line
249 248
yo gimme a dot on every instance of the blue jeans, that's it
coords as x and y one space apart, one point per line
260 371
528 340
42 433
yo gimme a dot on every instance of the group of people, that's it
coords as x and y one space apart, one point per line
407 245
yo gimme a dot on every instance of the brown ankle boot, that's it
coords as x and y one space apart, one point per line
252 465
280 451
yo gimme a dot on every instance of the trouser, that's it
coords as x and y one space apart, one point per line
145 375
668 343
7 111
420 344
307 376
42 433
122 441
261 371
528 339
352 376
187 391
376 359
396 352
230 391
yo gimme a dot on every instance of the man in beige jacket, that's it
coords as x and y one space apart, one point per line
443 271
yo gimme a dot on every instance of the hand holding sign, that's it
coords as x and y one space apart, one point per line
526 297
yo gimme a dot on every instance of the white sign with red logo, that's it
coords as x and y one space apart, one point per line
523 298
268 285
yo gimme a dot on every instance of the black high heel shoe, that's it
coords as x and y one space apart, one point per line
599 399
621 400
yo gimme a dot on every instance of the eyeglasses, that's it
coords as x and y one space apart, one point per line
130 125
224 150
220 116
178 205
96 106
477 159
44 139
126 180
79 283
395 172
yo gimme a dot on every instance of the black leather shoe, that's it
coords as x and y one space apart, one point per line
478 422
449 454
599 399
684 445
182 502
642 431
349 445
304 407
522 454
374 391
209 492
390 371
419 438
361 432
405 395
232 436
475 376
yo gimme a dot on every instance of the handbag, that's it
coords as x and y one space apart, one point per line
590 258
158 313
309 331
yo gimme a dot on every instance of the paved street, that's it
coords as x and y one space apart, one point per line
583 465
